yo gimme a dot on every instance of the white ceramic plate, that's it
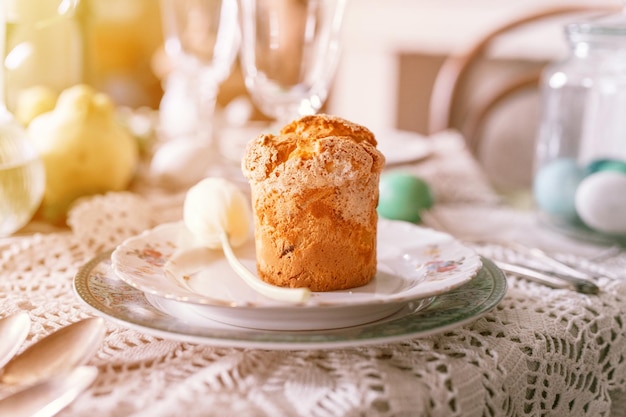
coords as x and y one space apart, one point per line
402 146
98 287
413 263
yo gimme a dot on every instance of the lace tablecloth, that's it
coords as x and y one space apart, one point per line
539 352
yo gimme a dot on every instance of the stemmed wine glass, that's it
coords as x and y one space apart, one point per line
289 53
202 41
22 176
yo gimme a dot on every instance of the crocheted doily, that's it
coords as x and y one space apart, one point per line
539 352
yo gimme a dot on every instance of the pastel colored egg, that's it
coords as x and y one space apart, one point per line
601 202
606 165
403 197
554 187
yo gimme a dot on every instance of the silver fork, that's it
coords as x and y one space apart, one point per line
556 275
551 278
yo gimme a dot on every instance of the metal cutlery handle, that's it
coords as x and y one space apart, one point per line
551 262
551 279
49 397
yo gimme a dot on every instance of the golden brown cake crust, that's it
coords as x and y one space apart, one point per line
315 192
321 125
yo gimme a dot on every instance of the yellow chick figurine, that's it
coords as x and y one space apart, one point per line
83 148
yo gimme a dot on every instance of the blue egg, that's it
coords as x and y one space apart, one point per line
606 165
554 187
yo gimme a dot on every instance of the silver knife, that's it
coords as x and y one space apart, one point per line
551 279
47 398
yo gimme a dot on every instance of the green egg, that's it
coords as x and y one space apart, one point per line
606 165
403 197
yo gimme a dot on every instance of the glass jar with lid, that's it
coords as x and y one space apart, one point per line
580 168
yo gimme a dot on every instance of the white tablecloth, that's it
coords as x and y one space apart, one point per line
539 352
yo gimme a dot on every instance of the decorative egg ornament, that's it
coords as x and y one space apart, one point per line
601 202
555 185
403 197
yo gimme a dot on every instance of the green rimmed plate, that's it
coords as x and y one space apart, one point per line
98 287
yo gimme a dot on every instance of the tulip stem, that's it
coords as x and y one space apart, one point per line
292 295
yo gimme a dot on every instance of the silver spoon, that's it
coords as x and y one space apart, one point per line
47 398
57 353
13 332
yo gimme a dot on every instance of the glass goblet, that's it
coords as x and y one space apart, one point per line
289 53
202 42
22 174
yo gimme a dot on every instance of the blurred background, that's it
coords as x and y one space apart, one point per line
393 52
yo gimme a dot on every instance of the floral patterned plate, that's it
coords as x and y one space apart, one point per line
414 263
98 287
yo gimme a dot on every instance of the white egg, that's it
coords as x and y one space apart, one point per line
601 202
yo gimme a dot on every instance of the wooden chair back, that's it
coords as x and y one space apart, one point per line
446 105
